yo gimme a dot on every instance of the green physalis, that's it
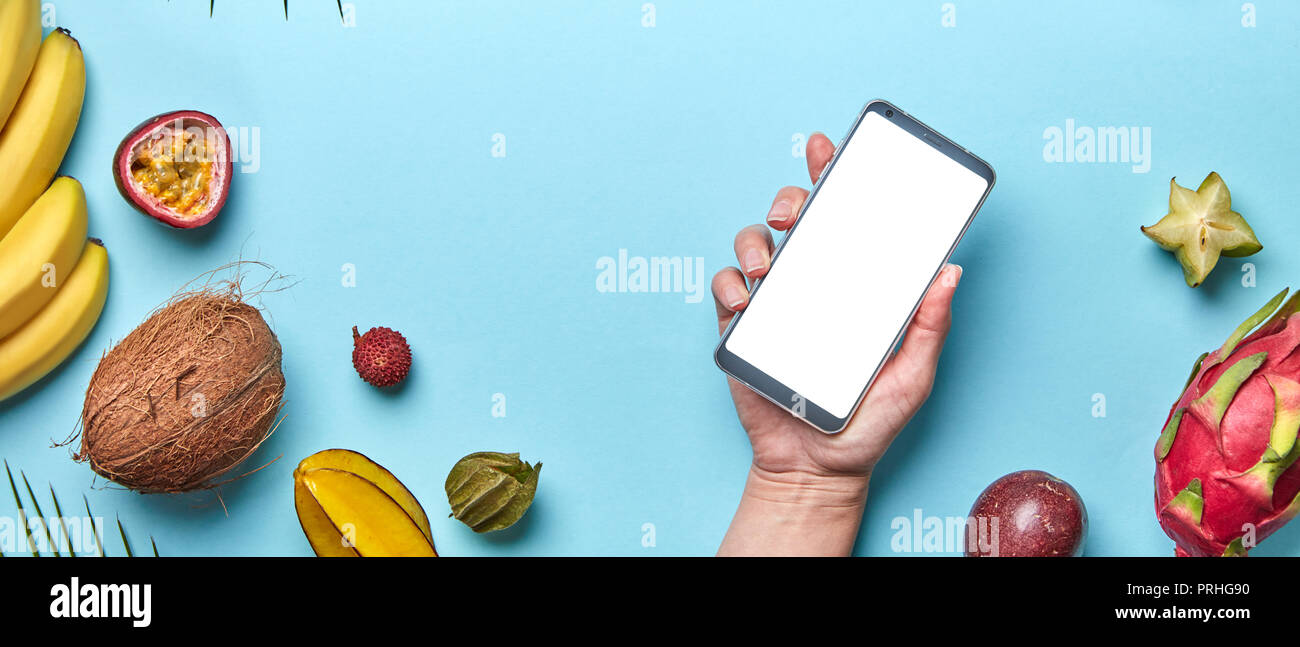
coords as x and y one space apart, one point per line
490 490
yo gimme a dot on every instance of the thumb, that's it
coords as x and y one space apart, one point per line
923 343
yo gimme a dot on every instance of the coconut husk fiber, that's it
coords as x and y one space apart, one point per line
186 396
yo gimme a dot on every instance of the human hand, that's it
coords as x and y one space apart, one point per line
793 462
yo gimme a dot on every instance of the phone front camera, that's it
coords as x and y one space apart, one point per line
889 113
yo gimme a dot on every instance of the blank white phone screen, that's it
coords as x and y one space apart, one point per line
860 259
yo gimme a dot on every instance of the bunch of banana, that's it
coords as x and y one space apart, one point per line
53 281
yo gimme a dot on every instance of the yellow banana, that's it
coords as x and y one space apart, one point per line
39 252
47 339
38 132
20 39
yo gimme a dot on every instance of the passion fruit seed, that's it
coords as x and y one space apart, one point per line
174 167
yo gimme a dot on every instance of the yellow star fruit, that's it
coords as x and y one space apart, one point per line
1201 226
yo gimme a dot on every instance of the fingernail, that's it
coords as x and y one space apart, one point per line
781 212
754 261
735 297
954 274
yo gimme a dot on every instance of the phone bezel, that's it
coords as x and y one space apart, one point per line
771 388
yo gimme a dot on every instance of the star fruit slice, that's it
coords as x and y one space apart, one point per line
1200 226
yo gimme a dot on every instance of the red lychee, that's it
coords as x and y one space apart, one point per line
381 356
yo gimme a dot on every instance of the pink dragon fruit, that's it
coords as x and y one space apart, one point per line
1224 463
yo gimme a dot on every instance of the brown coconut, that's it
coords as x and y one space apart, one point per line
184 398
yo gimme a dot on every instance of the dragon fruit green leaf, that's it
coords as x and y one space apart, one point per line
1249 324
1196 368
1167 436
1211 406
1235 549
1278 321
1188 504
1286 414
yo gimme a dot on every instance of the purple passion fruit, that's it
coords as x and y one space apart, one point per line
1027 514
176 168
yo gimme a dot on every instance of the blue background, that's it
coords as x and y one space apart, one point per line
376 145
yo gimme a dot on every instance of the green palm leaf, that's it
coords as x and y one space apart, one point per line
212 4
63 525
125 542
99 544
40 515
22 513
58 511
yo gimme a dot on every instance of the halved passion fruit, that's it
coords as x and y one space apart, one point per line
176 168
